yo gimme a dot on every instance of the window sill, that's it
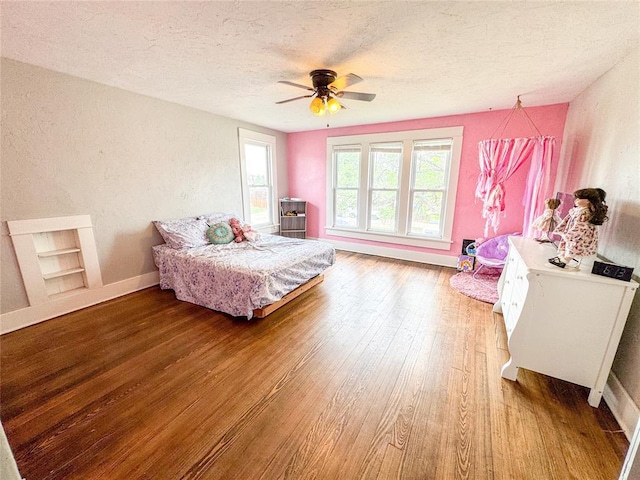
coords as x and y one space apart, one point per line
435 243
271 228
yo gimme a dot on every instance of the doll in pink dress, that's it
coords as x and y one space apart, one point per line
578 230
549 219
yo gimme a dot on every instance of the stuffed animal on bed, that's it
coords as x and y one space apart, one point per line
249 233
236 228
243 231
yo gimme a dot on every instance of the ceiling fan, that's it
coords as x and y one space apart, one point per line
327 89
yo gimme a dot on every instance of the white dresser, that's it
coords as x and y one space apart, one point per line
562 323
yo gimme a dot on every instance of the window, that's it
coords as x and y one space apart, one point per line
395 187
257 165
385 160
429 168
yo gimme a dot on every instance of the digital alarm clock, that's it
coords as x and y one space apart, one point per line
612 271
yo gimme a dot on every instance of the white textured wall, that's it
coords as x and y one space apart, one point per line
601 148
71 146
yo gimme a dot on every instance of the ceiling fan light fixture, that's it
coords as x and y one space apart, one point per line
327 90
317 107
333 105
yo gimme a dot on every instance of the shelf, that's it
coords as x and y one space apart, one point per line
62 273
53 253
67 293
294 226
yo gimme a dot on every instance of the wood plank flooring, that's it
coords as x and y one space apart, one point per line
383 371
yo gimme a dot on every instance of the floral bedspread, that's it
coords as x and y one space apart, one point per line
237 278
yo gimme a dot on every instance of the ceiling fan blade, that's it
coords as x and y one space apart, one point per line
296 85
365 97
345 81
292 99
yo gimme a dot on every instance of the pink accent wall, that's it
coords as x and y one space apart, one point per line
307 158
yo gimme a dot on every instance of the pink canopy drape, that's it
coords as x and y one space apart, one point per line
500 159
537 186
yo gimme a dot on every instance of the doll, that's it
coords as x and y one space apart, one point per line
549 219
579 228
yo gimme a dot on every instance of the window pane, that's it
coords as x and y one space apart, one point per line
259 205
348 169
430 169
386 170
257 160
426 213
383 210
385 164
346 208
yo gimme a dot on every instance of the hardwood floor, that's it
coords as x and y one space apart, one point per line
383 371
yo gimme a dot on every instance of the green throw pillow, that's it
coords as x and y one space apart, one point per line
220 233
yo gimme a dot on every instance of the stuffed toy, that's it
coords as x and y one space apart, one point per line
243 231
236 228
249 233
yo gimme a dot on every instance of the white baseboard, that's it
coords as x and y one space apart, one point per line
25 317
397 253
622 405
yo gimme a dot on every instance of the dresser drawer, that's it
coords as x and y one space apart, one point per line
512 312
514 290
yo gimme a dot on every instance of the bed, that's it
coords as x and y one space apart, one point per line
246 279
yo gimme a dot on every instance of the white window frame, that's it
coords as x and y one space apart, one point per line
401 237
262 139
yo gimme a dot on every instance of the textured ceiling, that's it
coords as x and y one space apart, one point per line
422 59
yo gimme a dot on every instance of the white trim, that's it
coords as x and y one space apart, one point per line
25 317
389 238
625 411
631 466
397 253
54 224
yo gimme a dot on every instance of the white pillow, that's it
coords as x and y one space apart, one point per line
183 232
217 217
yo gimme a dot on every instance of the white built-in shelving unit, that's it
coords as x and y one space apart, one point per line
57 256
